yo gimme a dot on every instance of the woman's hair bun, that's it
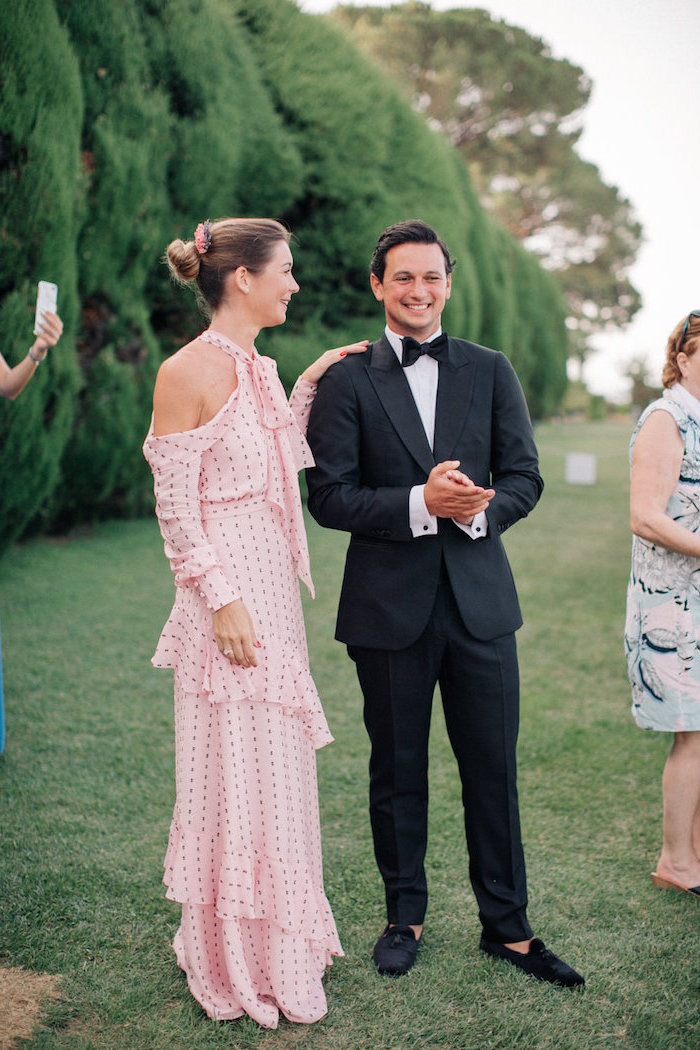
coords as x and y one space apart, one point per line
183 260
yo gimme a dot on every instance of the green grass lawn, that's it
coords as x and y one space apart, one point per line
86 793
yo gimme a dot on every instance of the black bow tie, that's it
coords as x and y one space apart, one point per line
412 349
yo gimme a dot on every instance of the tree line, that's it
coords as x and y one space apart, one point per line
515 113
122 126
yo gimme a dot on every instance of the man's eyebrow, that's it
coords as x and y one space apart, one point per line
411 273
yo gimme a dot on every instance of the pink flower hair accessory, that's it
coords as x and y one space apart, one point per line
202 237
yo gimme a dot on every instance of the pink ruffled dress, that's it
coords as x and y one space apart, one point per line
244 855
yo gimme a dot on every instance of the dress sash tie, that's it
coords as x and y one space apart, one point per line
288 450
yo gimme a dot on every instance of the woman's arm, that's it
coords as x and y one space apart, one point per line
178 406
656 465
314 372
304 391
14 380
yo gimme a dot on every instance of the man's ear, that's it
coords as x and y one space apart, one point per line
377 287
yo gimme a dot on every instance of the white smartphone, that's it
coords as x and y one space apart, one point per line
46 299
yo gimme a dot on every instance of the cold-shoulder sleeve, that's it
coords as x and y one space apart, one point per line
176 460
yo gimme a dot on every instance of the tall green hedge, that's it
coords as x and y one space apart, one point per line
121 126
41 107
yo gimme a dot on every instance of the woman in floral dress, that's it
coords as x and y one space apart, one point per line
225 446
662 631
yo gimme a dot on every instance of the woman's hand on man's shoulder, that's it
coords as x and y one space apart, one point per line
318 369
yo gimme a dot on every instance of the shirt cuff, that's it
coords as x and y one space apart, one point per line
477 528
421 522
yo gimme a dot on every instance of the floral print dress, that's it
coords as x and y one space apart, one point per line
662 629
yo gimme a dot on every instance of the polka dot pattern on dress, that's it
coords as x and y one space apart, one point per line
244 852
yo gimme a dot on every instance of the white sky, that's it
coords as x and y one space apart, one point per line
641 130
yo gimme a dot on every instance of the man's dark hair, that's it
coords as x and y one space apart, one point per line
412 231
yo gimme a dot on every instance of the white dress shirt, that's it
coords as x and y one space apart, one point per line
422 378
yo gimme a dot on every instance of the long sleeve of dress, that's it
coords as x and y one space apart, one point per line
300 401
175 460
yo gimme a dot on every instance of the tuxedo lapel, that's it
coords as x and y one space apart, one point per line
392 389
454 398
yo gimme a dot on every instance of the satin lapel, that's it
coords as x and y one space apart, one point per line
387 378
454 398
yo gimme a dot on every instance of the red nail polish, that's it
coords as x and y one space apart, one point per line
344 353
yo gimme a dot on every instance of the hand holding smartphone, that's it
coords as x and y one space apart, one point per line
46 299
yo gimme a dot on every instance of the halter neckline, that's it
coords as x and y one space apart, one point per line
218 339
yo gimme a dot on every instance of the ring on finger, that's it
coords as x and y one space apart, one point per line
227 652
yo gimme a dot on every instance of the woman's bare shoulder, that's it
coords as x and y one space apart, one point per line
184 365
178 391
191 387
658 440
660 422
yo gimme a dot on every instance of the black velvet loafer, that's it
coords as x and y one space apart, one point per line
395 951
539 962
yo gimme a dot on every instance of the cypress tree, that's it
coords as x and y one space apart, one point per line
40 119
137 120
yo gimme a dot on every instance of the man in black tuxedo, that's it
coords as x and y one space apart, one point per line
428 596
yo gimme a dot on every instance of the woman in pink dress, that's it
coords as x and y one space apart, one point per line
225 446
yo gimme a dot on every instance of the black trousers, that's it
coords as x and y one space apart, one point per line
479 685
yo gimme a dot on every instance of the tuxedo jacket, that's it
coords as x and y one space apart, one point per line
370 449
